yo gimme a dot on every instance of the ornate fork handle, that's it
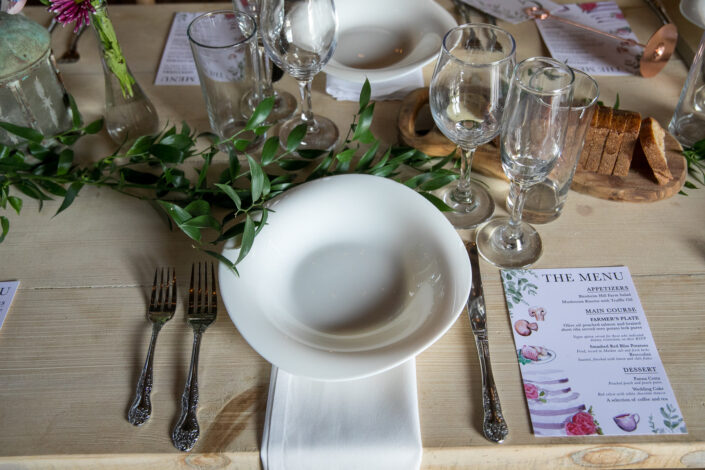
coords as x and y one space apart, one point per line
141 408
494 427
187 431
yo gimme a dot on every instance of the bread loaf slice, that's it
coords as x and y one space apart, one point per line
595 139
626 150
613 142
651 137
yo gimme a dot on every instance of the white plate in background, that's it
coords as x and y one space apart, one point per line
384 39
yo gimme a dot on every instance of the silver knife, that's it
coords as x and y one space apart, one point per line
494 427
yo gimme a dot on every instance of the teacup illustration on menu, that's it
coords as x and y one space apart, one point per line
586 354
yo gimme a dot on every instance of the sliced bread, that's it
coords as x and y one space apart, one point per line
613 142
651 137
626 150
595 138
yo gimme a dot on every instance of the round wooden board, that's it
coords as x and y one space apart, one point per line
638 186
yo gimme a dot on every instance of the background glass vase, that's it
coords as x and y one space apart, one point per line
129 114
544 201
223 44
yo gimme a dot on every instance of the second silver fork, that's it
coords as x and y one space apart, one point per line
202 310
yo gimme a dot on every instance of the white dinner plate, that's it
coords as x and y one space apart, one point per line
384 39
352 275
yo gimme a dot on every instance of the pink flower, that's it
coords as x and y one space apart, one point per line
531 391
581 424
587 7
68 11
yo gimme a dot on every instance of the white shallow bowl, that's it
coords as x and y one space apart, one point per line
384 39
352 275
694 11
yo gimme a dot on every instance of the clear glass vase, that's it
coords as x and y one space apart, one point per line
129 114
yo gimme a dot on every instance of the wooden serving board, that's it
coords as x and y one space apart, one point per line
638 186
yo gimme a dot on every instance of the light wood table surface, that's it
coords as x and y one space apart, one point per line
73 345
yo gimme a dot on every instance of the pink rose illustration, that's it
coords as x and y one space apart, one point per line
587 7
531 391
582 424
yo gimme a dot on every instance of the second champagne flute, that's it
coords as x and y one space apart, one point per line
300 37
533 135
467 94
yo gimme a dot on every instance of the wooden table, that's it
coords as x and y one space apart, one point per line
75 340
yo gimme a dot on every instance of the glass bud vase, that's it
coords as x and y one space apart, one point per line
129 114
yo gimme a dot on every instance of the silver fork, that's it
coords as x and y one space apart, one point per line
160 311
202 311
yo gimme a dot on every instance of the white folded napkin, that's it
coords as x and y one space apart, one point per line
394 89
365 424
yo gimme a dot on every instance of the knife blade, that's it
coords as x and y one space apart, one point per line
494 427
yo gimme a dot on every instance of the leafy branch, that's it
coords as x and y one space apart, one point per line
211 206
695 157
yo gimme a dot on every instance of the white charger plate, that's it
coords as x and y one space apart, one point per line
384 39
352 275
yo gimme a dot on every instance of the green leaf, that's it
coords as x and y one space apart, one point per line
94 127
65 162
269 150
198 207
365 94
202 221
437 182
138 177
52 188
31 190
248 238
362 130
16 203
5 224
616 102
141 145
295 137
346 155
166 153
367 158
256 178
222 259
26 133
260 114
241 144
176 212
76 117
436 201
232 194
192 232
233 231
178 141
70 196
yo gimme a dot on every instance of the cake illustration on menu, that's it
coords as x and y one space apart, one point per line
556 409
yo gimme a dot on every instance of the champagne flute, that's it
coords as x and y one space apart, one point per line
284 102
533 135
467 95
300 37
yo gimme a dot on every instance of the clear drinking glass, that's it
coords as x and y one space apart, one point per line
223 44
467 95
284 102
688 121
544 201
300 37
533 134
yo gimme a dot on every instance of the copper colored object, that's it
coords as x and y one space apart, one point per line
657 50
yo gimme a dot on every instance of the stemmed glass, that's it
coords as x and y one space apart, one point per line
300 37
284 102
467 95
533 135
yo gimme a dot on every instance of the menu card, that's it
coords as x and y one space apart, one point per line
511 11
590 52
177 66
7 293
586 354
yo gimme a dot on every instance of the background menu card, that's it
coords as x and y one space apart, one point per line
7 293
590 52
177 66
586 354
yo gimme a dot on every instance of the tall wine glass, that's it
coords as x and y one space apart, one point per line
300 37
533 135
284 102
467 95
